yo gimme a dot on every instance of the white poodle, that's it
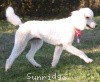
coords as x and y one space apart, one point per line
60 33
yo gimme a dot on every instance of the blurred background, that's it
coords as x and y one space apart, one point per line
47 9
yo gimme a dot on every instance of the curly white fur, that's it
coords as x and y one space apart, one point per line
60 33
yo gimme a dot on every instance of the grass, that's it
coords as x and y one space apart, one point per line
69 69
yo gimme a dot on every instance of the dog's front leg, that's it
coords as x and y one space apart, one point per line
57 54
78 53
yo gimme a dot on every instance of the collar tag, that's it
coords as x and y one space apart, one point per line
78 39
78 34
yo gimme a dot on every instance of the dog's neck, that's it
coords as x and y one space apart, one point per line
78 34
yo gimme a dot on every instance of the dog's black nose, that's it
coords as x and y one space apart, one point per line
96 25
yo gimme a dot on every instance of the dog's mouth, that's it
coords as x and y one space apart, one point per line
89 26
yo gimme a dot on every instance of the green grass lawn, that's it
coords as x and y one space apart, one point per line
69 69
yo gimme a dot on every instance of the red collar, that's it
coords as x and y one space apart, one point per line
78 34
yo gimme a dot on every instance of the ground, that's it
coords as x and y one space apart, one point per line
69 69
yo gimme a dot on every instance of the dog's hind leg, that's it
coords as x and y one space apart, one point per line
57 54
35 46
19 46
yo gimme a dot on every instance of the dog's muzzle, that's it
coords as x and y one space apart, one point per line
92 25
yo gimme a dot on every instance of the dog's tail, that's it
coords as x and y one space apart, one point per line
12 17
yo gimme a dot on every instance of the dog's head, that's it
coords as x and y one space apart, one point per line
83 19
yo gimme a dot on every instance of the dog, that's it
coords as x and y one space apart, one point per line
59 33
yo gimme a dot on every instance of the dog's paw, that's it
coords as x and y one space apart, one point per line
8 65
53 66
88 60
38 66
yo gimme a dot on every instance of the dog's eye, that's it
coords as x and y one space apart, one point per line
87 17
